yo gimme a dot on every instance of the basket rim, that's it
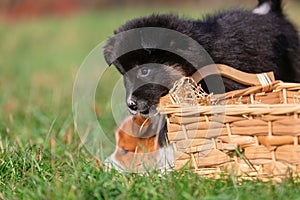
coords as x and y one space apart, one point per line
231 109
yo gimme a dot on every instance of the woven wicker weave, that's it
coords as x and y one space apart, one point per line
254 132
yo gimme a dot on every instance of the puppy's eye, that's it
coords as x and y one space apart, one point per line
143 72
124 151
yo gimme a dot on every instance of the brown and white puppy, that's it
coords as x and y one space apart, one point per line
137 148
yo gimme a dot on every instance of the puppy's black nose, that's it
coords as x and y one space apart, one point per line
132 105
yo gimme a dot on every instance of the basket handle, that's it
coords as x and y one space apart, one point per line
263 79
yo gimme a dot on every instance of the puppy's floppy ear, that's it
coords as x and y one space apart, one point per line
110 53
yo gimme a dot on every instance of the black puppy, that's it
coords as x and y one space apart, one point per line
255 41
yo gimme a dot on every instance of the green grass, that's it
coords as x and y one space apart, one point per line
40 153
63 174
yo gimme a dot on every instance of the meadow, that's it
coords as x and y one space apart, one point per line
41 156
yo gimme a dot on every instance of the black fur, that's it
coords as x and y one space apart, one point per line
238 38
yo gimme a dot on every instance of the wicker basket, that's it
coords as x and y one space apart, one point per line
254 132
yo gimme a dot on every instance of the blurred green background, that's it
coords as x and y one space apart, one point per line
43 45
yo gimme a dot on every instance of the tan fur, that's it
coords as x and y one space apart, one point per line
129 135
132 151
174 71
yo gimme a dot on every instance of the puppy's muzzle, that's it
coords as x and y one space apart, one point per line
137 106
132 105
